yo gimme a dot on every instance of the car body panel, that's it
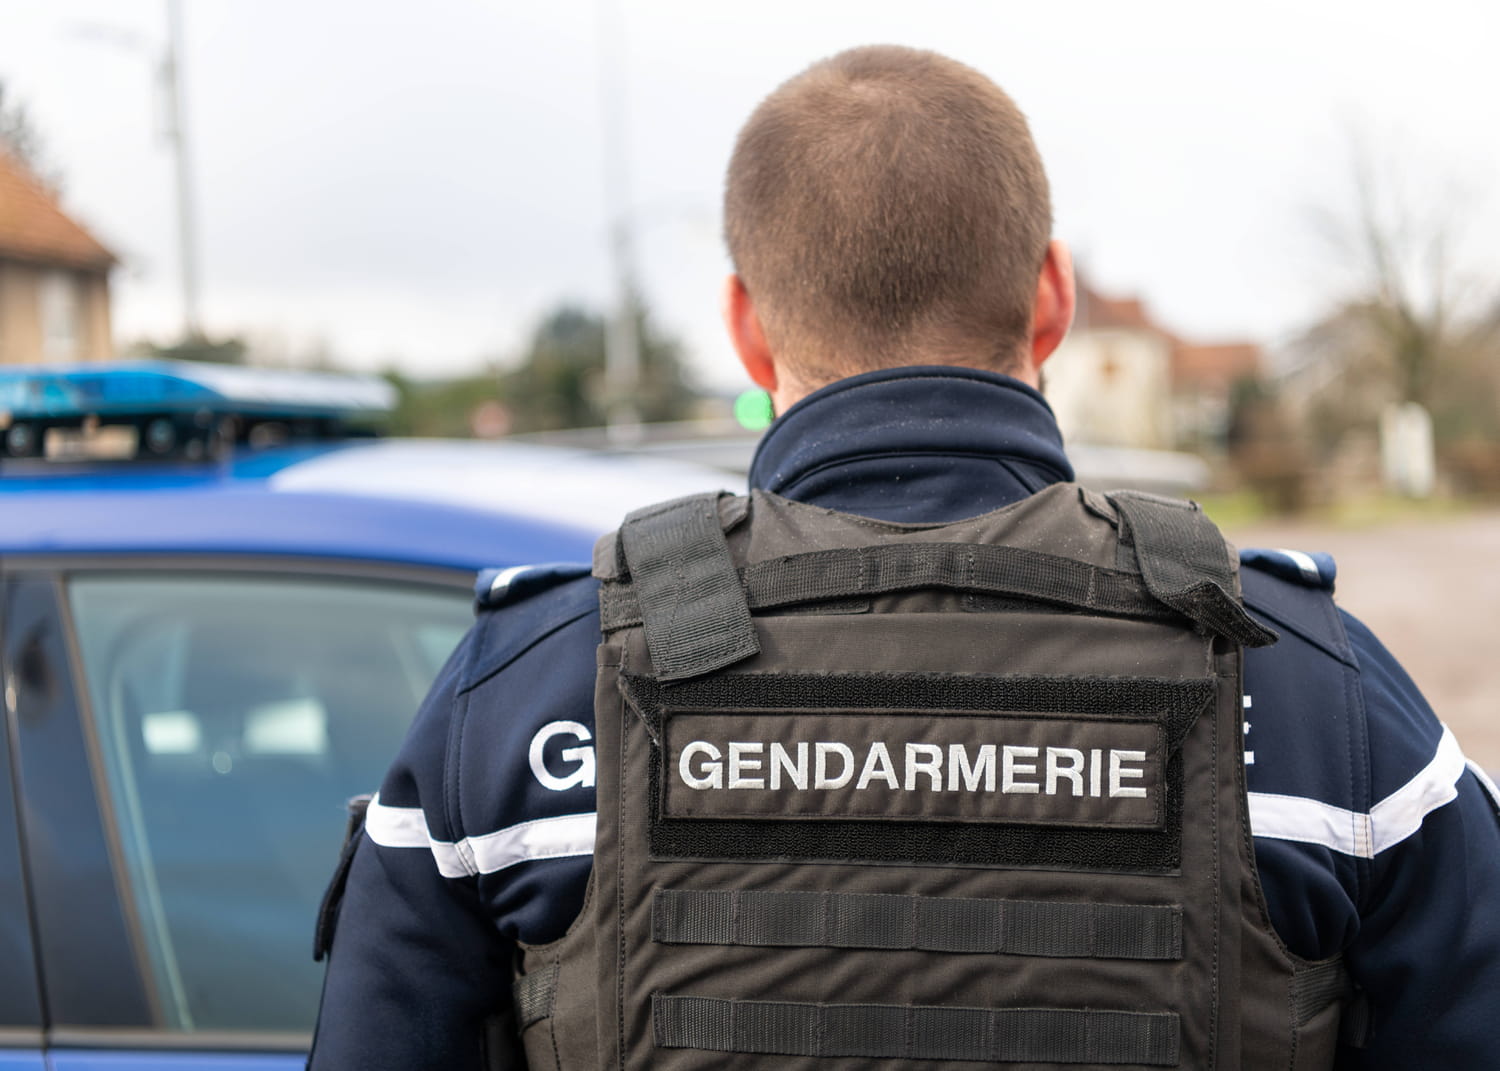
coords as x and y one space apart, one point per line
423 513
156 1060
233 520
463 505
82 932
20 1003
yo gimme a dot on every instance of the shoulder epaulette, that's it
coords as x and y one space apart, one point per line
1315 570
1293 590
519 608
503 587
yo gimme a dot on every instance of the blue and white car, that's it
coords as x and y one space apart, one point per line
206 647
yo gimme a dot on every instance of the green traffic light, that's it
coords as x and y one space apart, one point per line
753 410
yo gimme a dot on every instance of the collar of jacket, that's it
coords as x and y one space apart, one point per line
926 444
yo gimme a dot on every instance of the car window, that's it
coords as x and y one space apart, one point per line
235 715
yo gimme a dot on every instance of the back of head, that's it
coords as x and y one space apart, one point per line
887 207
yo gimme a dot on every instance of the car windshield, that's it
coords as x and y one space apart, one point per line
235 715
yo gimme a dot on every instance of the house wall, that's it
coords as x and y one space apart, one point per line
96 330
20 322
1111 387
23 337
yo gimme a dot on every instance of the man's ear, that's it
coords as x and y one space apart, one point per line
746 334
1056 297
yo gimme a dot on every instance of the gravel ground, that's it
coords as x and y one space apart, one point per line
1431 592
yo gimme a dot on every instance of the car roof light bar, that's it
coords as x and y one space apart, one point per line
154 387
169 406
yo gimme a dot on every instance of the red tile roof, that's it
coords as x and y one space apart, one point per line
1097 311
1206 367
1214 367
33 227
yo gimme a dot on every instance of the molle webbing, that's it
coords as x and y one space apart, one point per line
916 1032
794 919
534 995
696 620
970 567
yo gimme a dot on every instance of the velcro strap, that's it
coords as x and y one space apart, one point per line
534 994
1315 988
970 567
691 604
917 1032
1187 565
797 919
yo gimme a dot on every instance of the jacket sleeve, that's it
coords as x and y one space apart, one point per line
416 971
1427 950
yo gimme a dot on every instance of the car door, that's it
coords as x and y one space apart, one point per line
20 996
185 736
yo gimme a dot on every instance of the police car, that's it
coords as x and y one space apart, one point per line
221 602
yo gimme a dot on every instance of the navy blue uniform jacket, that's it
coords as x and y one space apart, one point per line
1373 835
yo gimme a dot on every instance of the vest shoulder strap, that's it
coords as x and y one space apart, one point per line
693 608
1187 565
694 603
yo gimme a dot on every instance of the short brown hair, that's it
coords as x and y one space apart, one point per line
887 206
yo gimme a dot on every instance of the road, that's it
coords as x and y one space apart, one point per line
1431 591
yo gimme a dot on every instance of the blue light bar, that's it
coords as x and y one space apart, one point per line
176 408
141 388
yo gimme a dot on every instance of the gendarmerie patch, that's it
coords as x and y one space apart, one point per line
1174 704
938 766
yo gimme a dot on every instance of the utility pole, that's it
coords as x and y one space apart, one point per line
187 239
622 343
168 71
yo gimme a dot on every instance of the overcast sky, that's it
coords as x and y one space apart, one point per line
417 183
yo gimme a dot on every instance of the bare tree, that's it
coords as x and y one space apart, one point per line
21 140
1415 325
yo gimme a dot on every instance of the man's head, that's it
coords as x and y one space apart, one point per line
887 207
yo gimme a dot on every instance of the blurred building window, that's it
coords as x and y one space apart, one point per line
61 316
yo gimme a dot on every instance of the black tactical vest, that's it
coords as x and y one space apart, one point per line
885 795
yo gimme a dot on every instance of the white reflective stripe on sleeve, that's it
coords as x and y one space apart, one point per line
1400 814
1389 822
543 838
1305 565
406 827
1311 822
396 827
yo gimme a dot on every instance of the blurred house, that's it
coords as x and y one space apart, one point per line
1110 380
1203 384
54 277
1121 379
